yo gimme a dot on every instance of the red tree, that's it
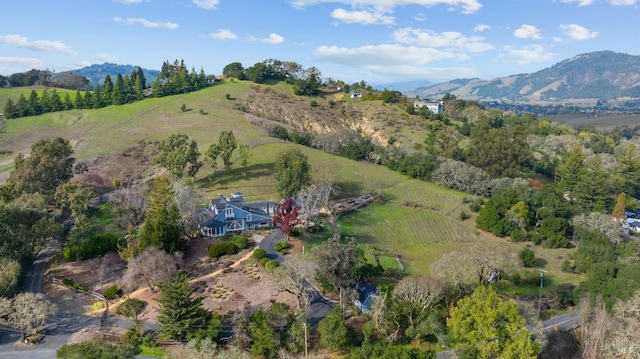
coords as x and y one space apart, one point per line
286 215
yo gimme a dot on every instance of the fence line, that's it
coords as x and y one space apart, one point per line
94 294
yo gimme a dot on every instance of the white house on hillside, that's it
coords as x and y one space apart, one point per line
435 107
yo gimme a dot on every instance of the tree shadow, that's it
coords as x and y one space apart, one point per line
348 189
223 178
541 262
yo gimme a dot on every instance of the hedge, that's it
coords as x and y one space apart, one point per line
220 249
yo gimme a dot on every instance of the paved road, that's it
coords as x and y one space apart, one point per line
319 306
268 243
563 323
33 282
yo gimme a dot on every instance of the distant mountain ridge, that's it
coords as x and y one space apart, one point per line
97 72
601 75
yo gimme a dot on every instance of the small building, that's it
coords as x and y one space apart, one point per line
232 214
434 107
367 294
354 94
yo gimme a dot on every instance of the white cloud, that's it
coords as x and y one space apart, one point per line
577 32
466 6
622 2
362 17
272 39
524 55
481 28
16 40
207 4
107 58
449 39
396 61
580 2
147 23
527 32
23 61
223 34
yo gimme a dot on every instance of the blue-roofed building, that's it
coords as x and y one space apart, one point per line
367 294
232 214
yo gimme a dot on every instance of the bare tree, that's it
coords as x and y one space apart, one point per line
622 337
420 294
240 337
130 202
291 277
150 267
187 199
601 222
28 311
315 197
102 265
336 261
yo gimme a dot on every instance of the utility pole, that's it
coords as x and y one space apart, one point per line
542 272
304 325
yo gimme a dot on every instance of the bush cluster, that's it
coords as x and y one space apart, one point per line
92 247
282 246
112 292
220 249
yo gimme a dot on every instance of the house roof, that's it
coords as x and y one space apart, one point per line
206 218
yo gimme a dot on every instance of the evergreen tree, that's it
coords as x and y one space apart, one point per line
118 95
263 339
178 313
34 103
140 83
160 228
45 102
23 107
620 208
10 110
78 101
56 101
107 88
97 99
67 104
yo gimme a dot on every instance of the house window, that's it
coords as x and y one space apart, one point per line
229 213
249 219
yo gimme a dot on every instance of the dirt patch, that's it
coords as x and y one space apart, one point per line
230 290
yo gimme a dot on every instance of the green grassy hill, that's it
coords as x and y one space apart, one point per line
419 223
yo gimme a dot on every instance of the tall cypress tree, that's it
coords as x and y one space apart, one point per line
118 96
107 90
34 104
140 83
178 312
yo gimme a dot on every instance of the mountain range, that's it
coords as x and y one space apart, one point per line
589 77
97 72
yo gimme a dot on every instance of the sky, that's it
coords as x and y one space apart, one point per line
378 41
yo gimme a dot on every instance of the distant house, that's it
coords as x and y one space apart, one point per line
367 294
632 224
434 107
232 214
354 94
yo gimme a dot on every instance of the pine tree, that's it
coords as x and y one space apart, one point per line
78 101
107 89
160 228
178 312
118 96
10 109
22 107
33 103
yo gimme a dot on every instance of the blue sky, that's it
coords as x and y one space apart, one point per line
378 41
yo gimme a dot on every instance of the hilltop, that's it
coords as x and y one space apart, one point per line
97 72
585 78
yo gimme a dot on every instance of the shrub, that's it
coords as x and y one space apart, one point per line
112 292
227 96
97 305
566 266
528 257
220 249
92 247
282 246
131 307
464 216
314 103
241 241
264 261
259 253
475 207
271 265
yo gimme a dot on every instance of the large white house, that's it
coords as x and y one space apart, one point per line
435 107
232 214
